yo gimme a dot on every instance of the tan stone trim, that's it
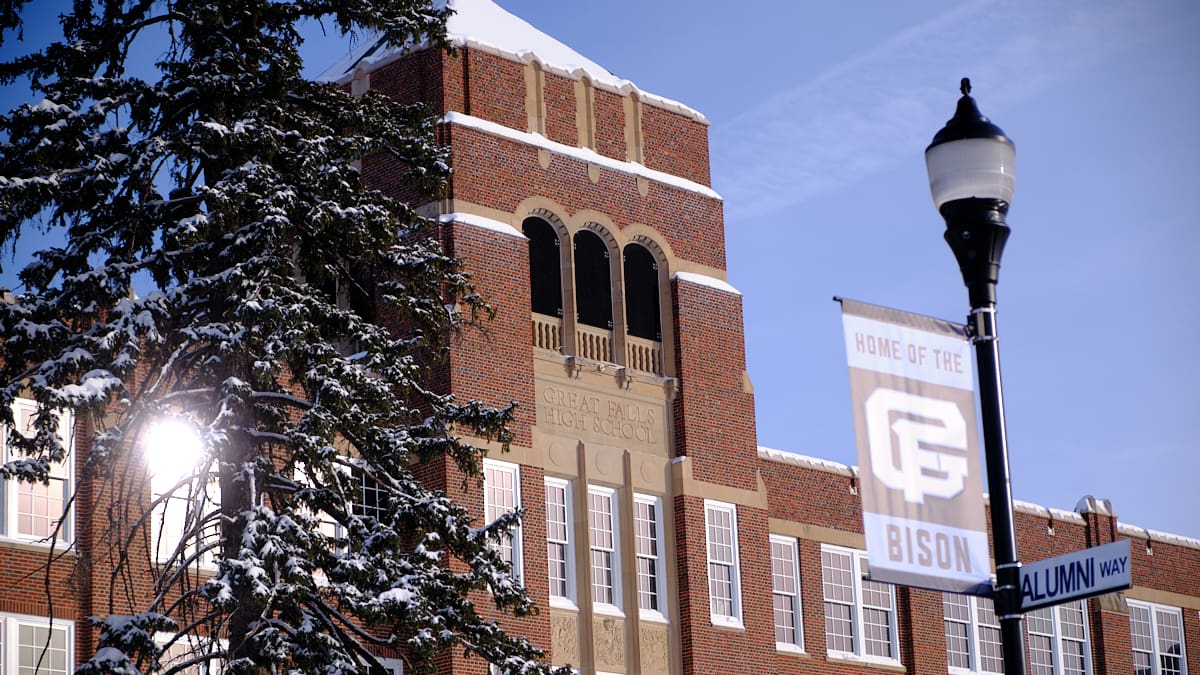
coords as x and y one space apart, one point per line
361 83
567 224
585 113
635 148
810 532
535 97
1163 597
687 485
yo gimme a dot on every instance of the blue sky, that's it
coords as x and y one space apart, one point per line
820 116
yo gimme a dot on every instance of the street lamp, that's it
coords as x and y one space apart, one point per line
971 167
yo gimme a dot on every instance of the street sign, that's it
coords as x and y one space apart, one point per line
1081 574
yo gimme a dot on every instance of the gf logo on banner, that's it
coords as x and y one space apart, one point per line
914 418
914 466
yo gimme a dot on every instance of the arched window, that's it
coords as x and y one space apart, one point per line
642 316
545 271
593 281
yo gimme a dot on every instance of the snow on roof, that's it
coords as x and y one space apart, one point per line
829 466
481 222
485 25
826 465
705 280
1045 511
1153 536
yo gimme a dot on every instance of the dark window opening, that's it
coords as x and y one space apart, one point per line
362 296
641 293
593 281
545 269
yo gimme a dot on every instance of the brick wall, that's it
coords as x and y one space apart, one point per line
492 361
559 95
714 414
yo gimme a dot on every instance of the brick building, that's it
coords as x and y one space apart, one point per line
658 538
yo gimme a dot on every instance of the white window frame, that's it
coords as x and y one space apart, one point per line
10 626
1154 616
492 511
787 570
859 586
1056 636
726 558
981 616
62 474
654 559
567 542
613 552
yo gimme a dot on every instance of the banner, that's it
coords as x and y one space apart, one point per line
918 449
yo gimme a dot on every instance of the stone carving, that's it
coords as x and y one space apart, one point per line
609 642
564 639
617 420
654 651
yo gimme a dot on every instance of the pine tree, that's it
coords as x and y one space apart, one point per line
222 265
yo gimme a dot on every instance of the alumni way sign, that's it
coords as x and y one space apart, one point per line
1080 574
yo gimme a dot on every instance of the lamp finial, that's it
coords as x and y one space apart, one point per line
965 87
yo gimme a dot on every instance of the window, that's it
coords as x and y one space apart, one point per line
501 495
972 634
545 267
187 514
373 497
641 293
724 589
647 533
33 511
593 281
860 615
785 593
560 565
1058 642
606 581
184 525
1157 635
33 645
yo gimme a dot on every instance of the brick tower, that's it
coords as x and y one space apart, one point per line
582 208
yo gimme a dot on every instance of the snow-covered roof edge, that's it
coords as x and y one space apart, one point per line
482 222
470 27
826 465
1045 511
829 466
1156 536
582 154
705 280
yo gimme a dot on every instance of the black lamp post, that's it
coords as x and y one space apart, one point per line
971 167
